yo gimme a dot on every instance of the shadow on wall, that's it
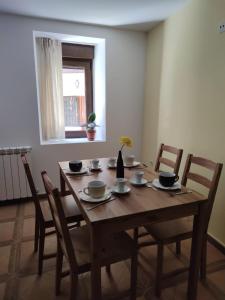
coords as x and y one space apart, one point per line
153 93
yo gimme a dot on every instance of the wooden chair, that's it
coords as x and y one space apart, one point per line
175 165
75 245
175 231
43 217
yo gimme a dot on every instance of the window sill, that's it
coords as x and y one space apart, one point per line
71 141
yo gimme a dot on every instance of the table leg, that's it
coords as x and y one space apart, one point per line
196 248
62 185
96 292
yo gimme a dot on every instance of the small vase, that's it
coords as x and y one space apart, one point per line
119 166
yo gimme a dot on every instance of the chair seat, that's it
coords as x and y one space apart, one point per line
171 230
116 247
72 212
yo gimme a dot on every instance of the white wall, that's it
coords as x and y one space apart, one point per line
125 73
185 90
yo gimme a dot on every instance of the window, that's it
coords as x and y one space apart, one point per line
63 105
77 87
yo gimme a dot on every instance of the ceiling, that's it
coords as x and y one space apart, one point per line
131 14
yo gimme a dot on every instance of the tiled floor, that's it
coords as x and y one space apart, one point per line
18 267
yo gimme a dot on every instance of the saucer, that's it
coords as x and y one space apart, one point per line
87 198
134 182
82 171
135 164
157 184
95 169
111 166
115 190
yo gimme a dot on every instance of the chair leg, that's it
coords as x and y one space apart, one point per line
73 286
41 250
36 235
159 270
134 262
108 268
203 260
178 248
59 262
133 277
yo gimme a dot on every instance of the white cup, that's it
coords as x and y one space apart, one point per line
121 184
138 176
95 189
129 160
95 163
112 162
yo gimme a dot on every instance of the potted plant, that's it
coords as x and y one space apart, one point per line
90 126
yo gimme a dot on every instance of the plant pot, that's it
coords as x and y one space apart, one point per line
91 134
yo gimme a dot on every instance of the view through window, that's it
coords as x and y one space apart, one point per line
74 98
77 87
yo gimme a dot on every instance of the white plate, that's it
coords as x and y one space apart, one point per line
82 171
111 166
134 182
115 190
135 164
87 198
158 185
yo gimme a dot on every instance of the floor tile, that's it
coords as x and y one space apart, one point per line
2 290
25 284
4 259
8 212
28 227
29 259
42 287
6 231
29 209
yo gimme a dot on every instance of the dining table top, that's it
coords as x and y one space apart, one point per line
139 201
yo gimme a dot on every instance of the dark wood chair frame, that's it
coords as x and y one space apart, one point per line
211 185
41 225
175 165
65 247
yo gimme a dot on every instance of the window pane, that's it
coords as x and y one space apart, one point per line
74 97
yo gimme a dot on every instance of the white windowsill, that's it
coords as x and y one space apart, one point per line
71 141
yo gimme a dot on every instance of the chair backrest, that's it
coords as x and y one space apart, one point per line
211 184
32 186
175 165
59 219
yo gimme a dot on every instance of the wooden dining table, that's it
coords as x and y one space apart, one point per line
141 206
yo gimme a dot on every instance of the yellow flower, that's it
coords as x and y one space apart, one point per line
126 141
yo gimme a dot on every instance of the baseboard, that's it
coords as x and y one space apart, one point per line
19 200
24 199
216 243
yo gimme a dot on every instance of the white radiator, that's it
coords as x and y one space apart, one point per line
13 182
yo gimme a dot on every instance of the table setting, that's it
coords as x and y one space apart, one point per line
97 191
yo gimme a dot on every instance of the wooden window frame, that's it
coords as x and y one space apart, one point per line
86 63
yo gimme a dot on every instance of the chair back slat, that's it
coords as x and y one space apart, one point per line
211 184
171 149
59 219
175 165
199 179
32 187
167 162
208 164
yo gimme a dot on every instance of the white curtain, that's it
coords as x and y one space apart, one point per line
49 67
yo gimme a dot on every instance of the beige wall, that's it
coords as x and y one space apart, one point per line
185 90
